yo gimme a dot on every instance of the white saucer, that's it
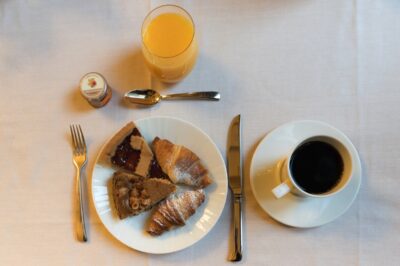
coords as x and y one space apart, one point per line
293 210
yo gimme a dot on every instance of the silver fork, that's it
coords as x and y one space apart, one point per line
79 159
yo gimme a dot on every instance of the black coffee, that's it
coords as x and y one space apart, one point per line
316 167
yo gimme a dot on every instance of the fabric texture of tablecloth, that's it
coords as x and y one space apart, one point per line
273 61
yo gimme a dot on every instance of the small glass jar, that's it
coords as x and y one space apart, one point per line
95 90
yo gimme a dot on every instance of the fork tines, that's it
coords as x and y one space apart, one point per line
78 139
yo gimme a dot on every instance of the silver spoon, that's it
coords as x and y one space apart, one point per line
150 97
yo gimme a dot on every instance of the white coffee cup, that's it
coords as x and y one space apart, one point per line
288 182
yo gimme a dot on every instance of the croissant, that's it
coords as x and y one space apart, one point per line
180 164
174 211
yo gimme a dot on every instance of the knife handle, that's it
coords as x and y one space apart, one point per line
237 229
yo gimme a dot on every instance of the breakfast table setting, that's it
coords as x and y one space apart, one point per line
258 132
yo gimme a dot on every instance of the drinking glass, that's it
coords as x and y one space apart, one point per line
169 43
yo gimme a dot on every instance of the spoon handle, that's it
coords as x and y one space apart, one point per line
201 95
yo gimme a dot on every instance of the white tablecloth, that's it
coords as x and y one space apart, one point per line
272 60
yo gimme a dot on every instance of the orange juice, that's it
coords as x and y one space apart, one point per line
169 44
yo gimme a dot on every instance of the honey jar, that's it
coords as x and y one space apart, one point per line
95 90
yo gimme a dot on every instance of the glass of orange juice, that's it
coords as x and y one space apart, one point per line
169 42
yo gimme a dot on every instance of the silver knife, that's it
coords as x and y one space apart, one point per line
235 184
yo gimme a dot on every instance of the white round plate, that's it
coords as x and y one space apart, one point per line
131 231
293 210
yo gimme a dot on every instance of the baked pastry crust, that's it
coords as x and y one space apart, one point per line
181 164
143 178
128 150
134 194
174 211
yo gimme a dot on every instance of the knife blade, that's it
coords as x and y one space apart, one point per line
236 184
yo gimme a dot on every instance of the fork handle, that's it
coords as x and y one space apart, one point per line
81 222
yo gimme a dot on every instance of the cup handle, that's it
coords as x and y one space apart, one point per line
281 190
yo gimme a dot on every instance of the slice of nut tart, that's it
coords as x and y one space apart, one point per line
135 194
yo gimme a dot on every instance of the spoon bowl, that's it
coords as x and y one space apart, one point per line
143 96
